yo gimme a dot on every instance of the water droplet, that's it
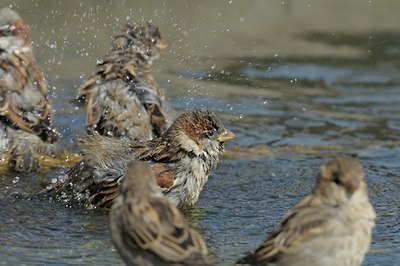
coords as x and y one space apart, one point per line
63 178
16 179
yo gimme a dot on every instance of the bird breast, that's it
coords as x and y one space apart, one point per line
189 182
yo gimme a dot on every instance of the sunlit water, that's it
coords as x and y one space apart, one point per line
294 100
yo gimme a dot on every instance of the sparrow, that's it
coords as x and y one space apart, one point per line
181 159
331 226
148 229
26 127
122 98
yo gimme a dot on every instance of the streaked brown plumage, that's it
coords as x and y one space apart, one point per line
181 159
147 229
25 113
123 100
331 226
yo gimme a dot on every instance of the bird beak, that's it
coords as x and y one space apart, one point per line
162 44
226 135
352 186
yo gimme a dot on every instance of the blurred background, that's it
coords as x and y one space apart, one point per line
299 82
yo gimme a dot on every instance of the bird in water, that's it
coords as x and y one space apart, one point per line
148 229
122 98
331 226
181 159
26 127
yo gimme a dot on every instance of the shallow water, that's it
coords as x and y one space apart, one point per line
298 83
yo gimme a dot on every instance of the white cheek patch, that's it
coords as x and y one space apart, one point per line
188 144
209 147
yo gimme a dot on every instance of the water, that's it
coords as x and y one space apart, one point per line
299 82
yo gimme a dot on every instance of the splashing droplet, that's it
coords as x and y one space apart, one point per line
16 179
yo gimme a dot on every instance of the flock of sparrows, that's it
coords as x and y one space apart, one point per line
144 167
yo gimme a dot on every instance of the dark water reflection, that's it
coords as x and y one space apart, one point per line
297 83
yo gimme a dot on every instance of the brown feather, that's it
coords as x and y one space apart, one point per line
115 109
327 225
147 222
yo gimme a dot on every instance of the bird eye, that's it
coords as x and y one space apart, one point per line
211 132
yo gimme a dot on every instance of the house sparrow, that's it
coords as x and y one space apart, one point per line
25 113
331 226
147 229
123 100
181 159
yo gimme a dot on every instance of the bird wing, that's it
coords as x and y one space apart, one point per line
159 152
151 99
157 226
304 222
104 164
99 173
89 90
120 65
105 189
105 192
23 96
164 173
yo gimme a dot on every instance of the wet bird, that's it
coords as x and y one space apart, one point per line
331 226
148 229
25 113
181 159
123 100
